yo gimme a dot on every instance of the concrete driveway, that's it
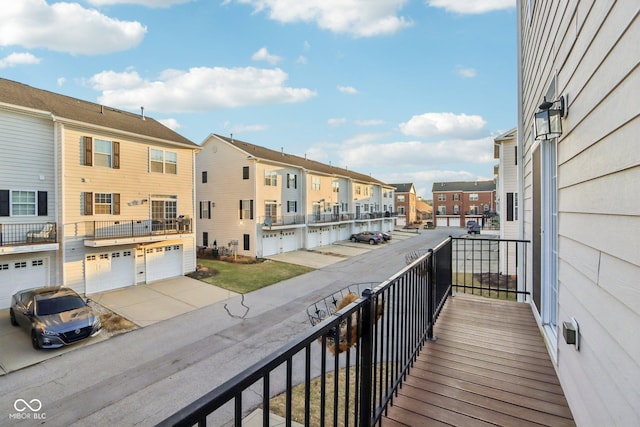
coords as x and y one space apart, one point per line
141 304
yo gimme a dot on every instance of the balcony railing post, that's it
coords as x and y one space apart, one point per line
431 293
366 360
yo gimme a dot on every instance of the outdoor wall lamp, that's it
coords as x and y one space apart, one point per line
548 119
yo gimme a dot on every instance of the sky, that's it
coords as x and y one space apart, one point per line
401 90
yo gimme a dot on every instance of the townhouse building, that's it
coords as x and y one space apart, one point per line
91 197
505 149
579 162
257 202
405 204
456 202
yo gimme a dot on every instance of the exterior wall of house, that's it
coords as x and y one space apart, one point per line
509 224
225 188
589 51
137 187
26 164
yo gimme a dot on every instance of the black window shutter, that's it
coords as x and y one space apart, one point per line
246 242
88 151
295 206
241 209
288 175
204 177
288 205
201 211
116 155
209 210
245 172
205 238
116 203
509 206
295 181
4 202
42 203
251 209
88 203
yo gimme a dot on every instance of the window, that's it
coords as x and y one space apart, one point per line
103 203
205 210
245 241
400 210
271 178
292 206
442 197
162 210
400 197
204 177
246 209
315 183
161 161
358 189
23 203
456 209
205 238
245 172
366 190
335 186
473 196
442 210
292 180
456 197
102 153
512 206
270 209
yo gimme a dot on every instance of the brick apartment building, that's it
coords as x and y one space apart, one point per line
455 203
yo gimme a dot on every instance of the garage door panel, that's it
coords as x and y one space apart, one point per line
109 270
16 275
163 262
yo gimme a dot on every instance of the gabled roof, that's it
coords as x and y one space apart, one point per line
64 107
439 187
403 188
507 136
290 159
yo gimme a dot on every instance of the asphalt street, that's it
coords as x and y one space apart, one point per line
141 377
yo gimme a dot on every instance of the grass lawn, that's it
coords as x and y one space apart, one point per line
243 278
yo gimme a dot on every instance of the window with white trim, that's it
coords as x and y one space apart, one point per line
271 178
442 197
162 161
315 183
102 152
103 203
23 203
473 197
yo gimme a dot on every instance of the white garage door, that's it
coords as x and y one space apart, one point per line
289 241
344 232
270 244
163 262
109 270
442 222
313 236
21 274
454 222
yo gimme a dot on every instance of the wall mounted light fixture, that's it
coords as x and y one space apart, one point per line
548 119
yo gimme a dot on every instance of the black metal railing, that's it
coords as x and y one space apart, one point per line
275 220
28 233
136 228
353 361
323 218
490 267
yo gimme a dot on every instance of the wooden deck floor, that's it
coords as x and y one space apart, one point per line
488 366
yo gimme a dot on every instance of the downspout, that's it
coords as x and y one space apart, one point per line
519 144
59 183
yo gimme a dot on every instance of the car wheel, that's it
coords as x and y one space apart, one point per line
34 340
353 239
372 242
12 318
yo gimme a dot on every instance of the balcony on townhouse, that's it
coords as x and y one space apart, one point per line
114 232
270 222
326 218
483 363
28 237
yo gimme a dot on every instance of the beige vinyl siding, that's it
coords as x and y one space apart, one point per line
593 46
225 188
132 181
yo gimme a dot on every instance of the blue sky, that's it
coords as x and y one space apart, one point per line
403 90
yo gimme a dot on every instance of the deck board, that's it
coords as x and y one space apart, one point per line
488 366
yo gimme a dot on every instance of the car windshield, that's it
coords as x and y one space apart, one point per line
59 304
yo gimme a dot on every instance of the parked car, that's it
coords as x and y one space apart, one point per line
366 236
383 235
54 316
473 227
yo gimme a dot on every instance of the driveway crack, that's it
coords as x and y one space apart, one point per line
235 316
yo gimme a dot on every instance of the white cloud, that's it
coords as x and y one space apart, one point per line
263 55
147 3
369 122
302 59
350 90
359 18
240 128
61 81
404 155
172 124
466 72
472 6
337 121
443 124
198 89
65 27
14 59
